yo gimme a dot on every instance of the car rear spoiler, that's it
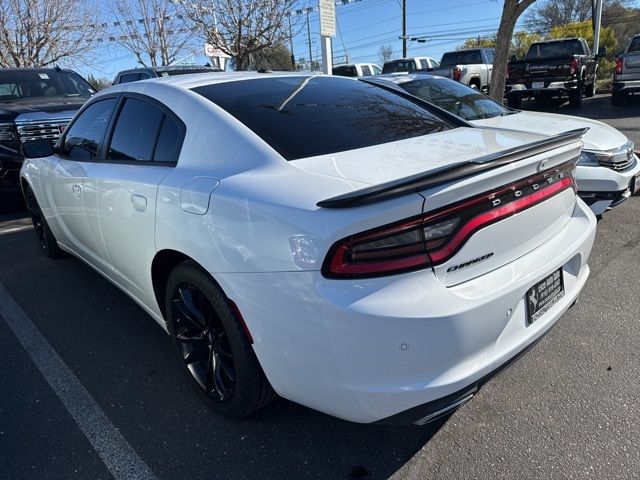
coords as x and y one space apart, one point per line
422 181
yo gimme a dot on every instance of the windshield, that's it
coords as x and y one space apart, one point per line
32 84
399 66
635 45
466 57
455 98
307 116
542 51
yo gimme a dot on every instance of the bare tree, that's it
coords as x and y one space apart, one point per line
241 28
511 11
543 16
39 33
385 52
153 30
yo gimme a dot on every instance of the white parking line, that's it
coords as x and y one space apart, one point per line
118 456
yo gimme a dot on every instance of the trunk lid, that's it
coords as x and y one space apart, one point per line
556 68
496 244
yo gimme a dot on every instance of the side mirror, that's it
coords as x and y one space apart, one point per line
42 147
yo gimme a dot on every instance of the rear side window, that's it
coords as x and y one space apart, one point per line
82 139
308 116
424 63
366 70
169 141
490 55
635 45
134 136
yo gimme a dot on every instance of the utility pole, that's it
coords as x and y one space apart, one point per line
309 41
596 10
404 28
293 57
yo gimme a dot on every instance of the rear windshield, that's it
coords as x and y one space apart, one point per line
451 59
31 84
399 66
308 116
345 71
541 51
635 45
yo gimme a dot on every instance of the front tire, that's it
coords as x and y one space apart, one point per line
590 91
46 238
213 346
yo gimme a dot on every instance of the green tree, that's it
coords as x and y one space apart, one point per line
478 42
521 42
99 83
276 58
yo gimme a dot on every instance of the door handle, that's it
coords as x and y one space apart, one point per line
76 189
139 202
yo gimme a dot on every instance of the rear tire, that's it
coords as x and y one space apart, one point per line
514 101
575 98
590 91
46 239
213 346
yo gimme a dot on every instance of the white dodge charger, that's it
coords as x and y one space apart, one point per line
608 170
318 237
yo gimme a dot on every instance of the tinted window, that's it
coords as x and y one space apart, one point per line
455 98
464 57
34 83
169 141
433 63
83 137
345 71
541 51
490 54
635 45
366 71
376 70
129 77
134 136
399 66
307 116
424 63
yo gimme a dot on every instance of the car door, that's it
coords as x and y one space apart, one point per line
143 146
66 182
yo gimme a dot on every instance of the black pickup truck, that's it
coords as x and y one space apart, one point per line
560 69
35 103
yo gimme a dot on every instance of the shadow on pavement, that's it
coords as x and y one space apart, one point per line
597 108
127 363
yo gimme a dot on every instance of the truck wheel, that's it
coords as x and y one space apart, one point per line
575 98
514 101
590 91
618 99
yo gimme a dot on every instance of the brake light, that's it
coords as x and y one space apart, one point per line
434 237
619 62
457 73
574 66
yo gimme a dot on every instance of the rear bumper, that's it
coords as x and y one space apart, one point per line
552 88
376 349
629 86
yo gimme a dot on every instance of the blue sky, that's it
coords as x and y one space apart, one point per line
365 25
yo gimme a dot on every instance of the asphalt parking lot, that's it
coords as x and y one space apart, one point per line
568 409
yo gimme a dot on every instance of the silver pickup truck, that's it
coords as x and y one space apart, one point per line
626 80
471 67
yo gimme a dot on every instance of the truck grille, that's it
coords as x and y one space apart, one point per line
619 160
50 129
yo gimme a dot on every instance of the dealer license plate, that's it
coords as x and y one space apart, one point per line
543 295
537 85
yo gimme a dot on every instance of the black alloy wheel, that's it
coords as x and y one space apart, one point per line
203 343
46 239
213 344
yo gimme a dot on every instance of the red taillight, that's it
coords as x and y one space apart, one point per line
435 237
619 62
574 66
457 73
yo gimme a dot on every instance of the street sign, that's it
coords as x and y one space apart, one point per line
327 18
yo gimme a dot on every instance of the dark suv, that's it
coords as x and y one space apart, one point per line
35 103
136 74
